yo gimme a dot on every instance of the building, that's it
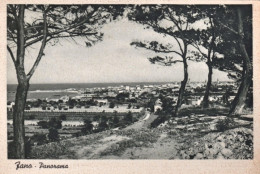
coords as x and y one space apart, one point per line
10 106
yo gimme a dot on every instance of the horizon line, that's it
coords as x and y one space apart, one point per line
113 82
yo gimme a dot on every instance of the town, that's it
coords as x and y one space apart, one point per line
126 98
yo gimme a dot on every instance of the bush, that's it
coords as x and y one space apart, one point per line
159 120
43 124
111 105
63 117
31 117
52 151
128 118
54 123
225 124
53 134
88 127
39 138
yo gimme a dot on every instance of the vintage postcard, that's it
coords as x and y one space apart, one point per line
130 87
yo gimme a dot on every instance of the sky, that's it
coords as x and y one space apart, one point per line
111 60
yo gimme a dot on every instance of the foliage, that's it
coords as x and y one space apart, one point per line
53 134
47 24
52 150
39 138
88 127
63 117
55 123
205 111
52 123
160 119
111 105
122 96
31 117
129 106
128 118
103 123
115 121
225 124
43 124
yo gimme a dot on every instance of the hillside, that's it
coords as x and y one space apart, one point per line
197 136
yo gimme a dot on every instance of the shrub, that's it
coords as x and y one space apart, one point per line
63 117
181 122
31 117
39 138
54 123
111 105
52 151
115 121
88 127
128 118
159 120
43 124
53 134
225 124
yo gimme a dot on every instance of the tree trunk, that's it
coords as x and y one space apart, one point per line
182 88
18 119
238 103
205 102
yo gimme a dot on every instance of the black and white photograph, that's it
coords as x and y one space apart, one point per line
129 82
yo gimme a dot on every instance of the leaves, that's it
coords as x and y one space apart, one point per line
63 21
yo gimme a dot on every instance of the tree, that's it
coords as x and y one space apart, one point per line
111 105
43 124
235 32
103 123
50 23
178 19
53 134
129 106
88 127
128 118
63 117
55 123
239 102
115 121
205 38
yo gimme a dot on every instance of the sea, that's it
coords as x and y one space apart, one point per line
56 90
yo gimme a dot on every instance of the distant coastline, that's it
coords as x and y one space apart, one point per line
63 86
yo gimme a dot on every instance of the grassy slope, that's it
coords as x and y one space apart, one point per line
188 137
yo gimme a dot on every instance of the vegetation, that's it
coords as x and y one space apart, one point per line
225 44
88 127
53 134
79 21
223 125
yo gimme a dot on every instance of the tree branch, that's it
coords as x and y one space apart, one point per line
40 54
11 54
195 45
230 29
156 50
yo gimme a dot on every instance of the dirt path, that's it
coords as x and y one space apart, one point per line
93 151
146 122
184 138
